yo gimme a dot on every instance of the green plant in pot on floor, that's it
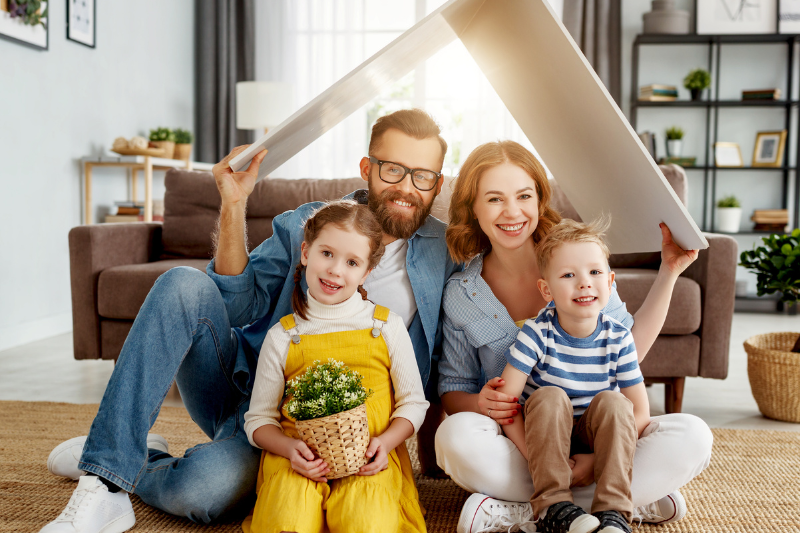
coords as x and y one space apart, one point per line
697 80
773 359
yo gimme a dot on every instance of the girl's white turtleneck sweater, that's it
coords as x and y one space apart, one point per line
352 314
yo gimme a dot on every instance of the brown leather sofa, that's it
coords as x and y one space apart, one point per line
113 267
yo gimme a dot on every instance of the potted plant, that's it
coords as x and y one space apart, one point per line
183 144
773 359
729 214
674 141
327 404
697 80
163 138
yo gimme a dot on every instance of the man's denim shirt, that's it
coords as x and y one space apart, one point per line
260 296
478 330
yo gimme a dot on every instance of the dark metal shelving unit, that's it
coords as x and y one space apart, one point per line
714 43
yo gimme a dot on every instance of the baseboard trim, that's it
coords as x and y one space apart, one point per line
17 335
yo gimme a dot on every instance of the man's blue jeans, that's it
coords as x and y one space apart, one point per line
182 333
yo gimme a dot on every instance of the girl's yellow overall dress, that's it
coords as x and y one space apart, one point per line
386 502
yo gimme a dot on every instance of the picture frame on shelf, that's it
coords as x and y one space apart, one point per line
725 17
25 30
81 15
727 155
789 16
768 150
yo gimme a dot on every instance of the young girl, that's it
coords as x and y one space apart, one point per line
342 244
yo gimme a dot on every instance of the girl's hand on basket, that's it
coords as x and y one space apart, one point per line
496 405
304 463
378 456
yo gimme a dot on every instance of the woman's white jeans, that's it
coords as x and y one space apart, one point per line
473 451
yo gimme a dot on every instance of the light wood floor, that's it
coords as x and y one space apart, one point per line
46 371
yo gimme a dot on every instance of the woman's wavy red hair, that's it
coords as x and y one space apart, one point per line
465 238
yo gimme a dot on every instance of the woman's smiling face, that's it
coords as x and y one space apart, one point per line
507 206
336 264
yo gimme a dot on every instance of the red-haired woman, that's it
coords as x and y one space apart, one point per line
499 210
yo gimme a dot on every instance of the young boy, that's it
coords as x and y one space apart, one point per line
567 364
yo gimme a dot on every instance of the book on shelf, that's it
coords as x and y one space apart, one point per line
777 228
680 161
761 94
770 216
131 218
655 98
128 207
649 140
658 87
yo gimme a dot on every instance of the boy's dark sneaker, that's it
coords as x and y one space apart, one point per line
566 517
612 522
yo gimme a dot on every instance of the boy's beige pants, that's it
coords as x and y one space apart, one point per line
553 435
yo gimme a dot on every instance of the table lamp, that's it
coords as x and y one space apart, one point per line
263 104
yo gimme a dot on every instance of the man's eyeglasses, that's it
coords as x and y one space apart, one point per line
390 172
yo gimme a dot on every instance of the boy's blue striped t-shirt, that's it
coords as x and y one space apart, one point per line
582 367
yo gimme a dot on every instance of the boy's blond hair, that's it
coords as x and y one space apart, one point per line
570 231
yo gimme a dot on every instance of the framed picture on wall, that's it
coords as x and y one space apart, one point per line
17 25
768 151
789 16
80 22
727 155
714 17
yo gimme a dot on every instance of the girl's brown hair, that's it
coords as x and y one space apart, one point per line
347 215
465 238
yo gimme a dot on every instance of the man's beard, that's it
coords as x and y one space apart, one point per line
392 222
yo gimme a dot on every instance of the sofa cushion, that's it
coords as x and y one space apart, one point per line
685 308
121 290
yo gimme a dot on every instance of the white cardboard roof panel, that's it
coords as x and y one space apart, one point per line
553 94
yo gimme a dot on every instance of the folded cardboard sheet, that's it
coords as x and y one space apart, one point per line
553 93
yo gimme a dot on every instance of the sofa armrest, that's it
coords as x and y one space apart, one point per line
715 272
92 249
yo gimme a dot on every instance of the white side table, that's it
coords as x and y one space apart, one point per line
135 163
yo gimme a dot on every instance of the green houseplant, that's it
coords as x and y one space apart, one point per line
697 80
729 214
327 402
183 144
674 141
773 359
164 138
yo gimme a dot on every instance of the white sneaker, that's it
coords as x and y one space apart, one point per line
93 509
64 459
484 514
670 508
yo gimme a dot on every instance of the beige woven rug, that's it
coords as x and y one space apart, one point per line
753 483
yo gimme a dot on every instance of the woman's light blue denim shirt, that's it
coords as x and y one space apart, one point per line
478 330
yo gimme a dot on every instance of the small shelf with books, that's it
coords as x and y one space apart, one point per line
773 102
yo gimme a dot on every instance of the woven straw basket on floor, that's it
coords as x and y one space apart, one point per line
774 372
340 439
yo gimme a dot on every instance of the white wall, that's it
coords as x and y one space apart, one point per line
64 103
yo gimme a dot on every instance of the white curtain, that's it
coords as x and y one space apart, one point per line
313 43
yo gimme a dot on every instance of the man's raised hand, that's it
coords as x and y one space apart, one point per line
235 187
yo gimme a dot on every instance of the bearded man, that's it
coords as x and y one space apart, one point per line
205 332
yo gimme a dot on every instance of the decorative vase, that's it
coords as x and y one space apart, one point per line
341 440
182 151
697 94
774 373
664 18
728 219
674 147
167 146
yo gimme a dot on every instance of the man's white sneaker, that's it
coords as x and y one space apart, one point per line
482 514
93 509
64 459
670 508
